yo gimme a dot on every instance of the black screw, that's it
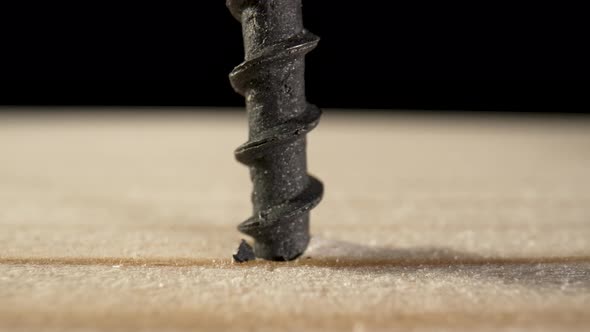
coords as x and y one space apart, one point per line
272 80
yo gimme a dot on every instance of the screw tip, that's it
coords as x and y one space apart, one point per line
245 253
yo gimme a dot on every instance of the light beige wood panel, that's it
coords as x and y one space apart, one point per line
428 223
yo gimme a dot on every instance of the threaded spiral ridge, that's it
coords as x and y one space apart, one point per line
271 79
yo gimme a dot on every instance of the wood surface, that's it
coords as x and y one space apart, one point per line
127 220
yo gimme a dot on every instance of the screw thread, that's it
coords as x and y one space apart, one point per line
272 80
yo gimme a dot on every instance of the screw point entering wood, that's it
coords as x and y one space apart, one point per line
272 80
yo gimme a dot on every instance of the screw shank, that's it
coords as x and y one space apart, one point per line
275 100
266 22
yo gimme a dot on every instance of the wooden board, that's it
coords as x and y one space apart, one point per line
127 220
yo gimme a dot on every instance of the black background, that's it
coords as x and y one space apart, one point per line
372 54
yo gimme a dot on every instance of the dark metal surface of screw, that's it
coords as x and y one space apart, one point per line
245 253
272 80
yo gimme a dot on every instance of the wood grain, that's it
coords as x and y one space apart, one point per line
127 220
